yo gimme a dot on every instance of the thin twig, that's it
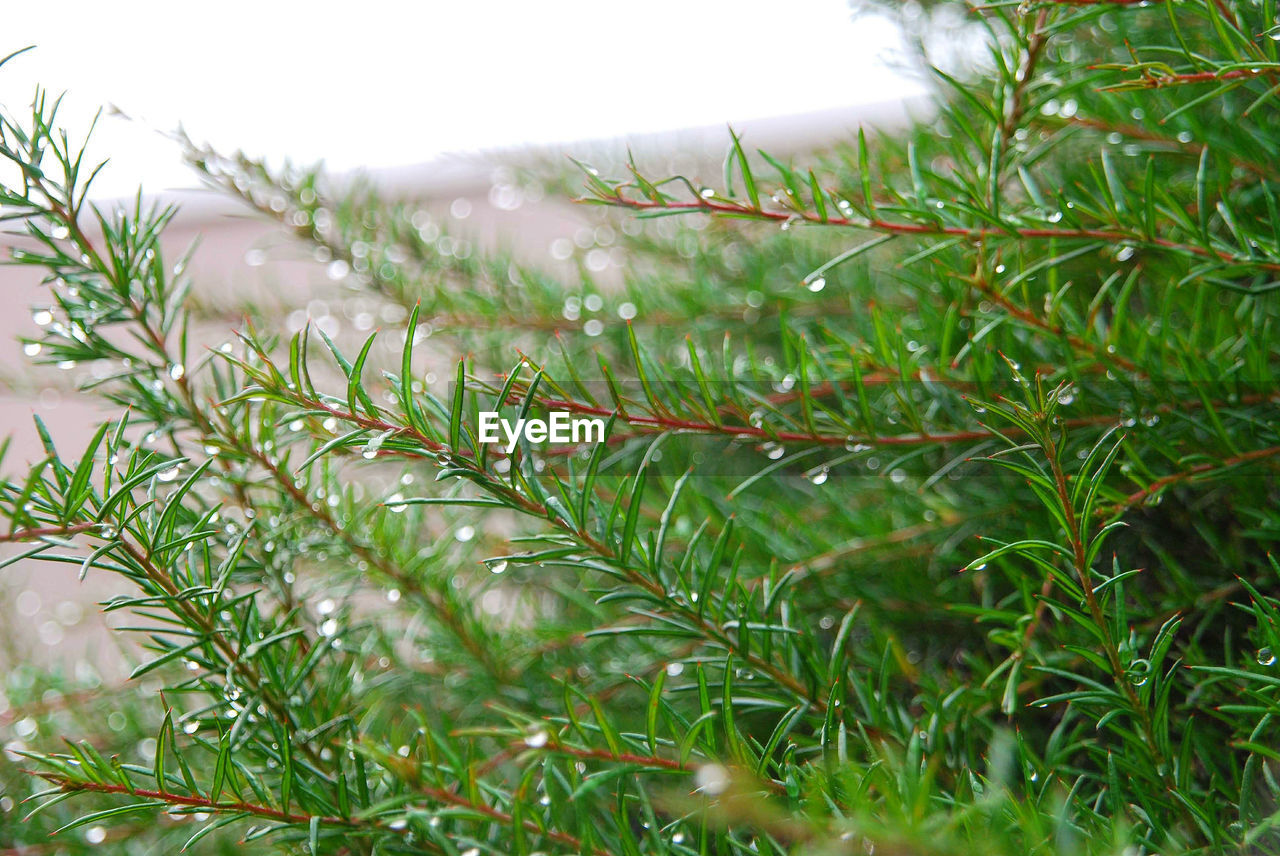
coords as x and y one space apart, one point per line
42 532
974 233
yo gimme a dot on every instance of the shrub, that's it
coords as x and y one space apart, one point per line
934 514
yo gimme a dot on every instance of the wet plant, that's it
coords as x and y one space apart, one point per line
935 511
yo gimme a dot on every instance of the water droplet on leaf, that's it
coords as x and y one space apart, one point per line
712 779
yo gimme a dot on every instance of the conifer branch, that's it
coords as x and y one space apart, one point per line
677 643
975 234
40 533
1138 497
193 801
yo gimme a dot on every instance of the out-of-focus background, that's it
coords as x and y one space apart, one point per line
388 83
435 101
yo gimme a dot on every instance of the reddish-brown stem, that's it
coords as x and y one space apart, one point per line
975 233
670 423
46 532
1096 2
1016 105
1161 81
1084 573
170 798
1200 469
198 619
1028 317
437 794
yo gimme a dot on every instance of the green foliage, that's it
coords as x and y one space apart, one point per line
946 527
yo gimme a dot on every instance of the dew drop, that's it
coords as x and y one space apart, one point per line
712 779
816 285
1265 657
371 448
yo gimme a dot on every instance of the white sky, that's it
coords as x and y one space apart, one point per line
380 83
